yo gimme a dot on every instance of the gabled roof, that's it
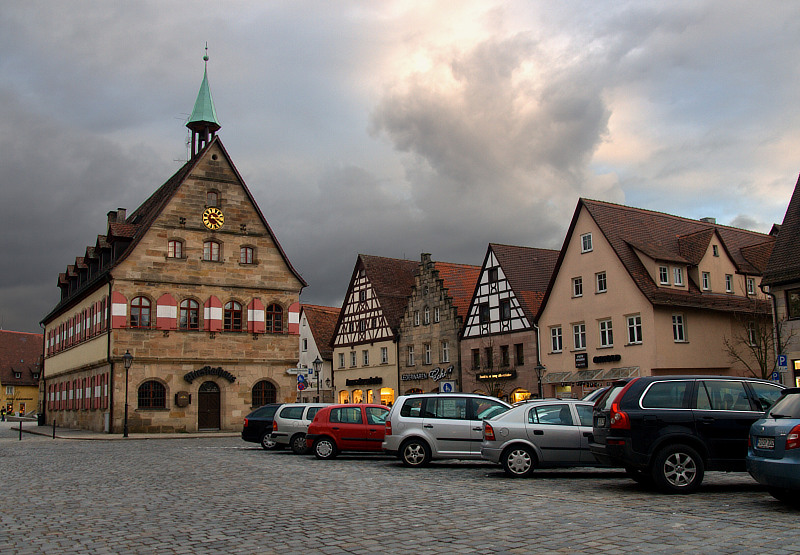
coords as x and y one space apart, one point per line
669 238
460 281
138 223
392 280
322 321
21 353
784 263
528 271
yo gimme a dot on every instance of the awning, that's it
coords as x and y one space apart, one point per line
619 373
555 377
584 376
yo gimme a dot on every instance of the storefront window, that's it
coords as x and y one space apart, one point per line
344 397
564 392
387 396
370 396
520 394
358 396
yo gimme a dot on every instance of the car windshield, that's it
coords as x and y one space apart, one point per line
786 407
492 411
264 412
604 401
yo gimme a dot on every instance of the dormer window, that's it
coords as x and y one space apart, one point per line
663 275
728 283
677 274
17 375
586 242
751 286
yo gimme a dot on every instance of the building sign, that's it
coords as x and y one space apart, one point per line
437 375
377 380
507 375
581 360
208 371
604 358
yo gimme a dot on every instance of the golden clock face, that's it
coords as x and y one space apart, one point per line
213 218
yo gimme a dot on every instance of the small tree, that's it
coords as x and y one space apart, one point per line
493 377
754 341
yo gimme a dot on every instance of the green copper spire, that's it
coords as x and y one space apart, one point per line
204 111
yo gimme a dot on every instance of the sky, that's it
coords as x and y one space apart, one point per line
391 128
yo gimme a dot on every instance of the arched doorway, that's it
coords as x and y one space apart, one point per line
208 406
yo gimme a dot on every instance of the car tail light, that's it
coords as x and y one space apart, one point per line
617 418
488 432
245 422
793 439
274 426
388 428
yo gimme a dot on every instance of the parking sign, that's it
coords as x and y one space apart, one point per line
783 363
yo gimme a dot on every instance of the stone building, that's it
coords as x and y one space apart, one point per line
499 345
365 343
781 282
20 370
432 323
196 288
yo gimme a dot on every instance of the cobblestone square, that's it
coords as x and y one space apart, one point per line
222 495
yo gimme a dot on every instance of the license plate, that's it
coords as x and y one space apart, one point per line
765 443
601 421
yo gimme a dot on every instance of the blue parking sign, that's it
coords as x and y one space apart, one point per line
783 362
775 377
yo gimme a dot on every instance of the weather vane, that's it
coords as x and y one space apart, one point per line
205 58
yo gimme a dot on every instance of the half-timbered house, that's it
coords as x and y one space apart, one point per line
499 342
365 343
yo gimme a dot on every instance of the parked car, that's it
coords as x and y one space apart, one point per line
258 426
773 457
671 429
594 395
291 422
428 426
539 434
346 428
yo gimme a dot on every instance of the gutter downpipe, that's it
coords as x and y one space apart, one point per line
538 358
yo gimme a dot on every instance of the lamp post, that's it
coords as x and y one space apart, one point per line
317 370
539 369
127 359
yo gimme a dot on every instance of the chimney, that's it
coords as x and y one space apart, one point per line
121 215
112 217
709 220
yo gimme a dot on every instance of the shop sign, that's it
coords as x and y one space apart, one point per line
414 377
606 358
508 375
208 371
581 360
377 380
437 374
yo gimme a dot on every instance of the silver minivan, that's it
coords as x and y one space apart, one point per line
430 426
290 424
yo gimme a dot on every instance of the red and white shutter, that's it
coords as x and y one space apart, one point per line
212 314
85 393
119 310
294 319
166 313
255 317
96 395
105 391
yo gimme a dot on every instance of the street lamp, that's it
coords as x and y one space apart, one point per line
127 359
539 369
317 370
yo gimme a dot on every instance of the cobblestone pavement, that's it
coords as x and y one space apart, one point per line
222 495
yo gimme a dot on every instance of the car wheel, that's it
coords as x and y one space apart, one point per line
678 469
268 443
415 452
298 444
639 476
325 448
518 461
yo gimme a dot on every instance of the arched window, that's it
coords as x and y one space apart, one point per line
190 315
212 198
264 392
175 249
211 251
233 316
274 319
246 255
140 312
152 395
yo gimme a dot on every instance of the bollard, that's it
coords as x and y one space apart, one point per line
54 428
20 430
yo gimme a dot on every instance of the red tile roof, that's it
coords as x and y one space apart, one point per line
20 352
322 321
784 263
528 271
460 281
392 280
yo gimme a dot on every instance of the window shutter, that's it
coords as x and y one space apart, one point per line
255 317
294 319
166 313
212 314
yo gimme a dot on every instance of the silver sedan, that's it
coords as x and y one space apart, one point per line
540 433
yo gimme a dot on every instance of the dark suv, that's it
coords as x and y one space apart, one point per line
669 429
258 426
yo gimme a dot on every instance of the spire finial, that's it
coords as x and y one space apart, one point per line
205 58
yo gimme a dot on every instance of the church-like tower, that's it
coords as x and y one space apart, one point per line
203 121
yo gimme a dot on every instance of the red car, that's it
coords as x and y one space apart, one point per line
338 428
